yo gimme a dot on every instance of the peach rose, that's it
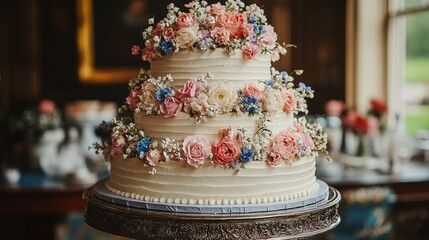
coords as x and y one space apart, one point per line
148 95
168 33
221 35
274 158
186 37
189 90
251 89
287 144
153 157
215 9
134 98
185 20
170 107
196 150
289 100
225 150
270 37
232 21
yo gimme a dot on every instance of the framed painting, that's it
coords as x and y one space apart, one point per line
107 29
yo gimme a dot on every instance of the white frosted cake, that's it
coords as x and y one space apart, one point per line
212 123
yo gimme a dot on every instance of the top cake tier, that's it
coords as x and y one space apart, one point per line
188 64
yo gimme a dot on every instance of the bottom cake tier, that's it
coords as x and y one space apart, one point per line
212 184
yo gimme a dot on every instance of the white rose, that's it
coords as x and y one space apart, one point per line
224 96
186 37
272 100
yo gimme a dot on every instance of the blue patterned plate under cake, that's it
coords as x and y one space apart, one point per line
319 196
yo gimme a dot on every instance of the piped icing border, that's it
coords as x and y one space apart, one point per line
225 201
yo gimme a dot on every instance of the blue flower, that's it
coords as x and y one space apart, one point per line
167 46
303 87
246 155
161 94
253 19
259 29
250 104
269 83
143 146
283 74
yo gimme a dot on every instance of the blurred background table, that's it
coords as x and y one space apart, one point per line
407 205
36 205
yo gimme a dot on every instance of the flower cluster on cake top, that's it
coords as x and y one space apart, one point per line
156 96
233 148
208 26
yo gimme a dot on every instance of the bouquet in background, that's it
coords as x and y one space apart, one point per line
30 124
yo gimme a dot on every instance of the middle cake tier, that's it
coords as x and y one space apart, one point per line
181 126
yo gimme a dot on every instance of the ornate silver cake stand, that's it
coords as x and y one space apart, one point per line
303 222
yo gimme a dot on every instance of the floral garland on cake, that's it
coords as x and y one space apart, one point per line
233 148
156 96
230 26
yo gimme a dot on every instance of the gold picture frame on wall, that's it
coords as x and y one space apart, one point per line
95 66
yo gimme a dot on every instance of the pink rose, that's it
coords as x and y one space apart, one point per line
297 126
251 89
153 157
274 158
335 107
287 144
232 21
221 35
170 107
270 37
215 9
134 98
135 50
307 140
289 100
169 33
189 90
251 51
47 106
275 56
185 20
248 31
157 31
225 150
118 144
149 52
196 150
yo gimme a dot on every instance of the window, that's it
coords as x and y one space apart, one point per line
408 62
